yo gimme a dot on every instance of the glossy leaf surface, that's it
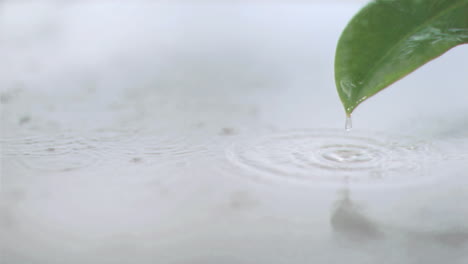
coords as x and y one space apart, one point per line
389 39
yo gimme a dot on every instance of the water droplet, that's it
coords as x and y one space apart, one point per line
348 123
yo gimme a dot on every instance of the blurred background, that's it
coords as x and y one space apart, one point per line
169 132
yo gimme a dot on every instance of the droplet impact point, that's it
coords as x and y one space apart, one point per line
328 156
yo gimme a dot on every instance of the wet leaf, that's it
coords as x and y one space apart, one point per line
389 39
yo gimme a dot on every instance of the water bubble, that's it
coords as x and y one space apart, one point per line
329 156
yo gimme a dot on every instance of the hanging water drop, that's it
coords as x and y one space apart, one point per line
348 123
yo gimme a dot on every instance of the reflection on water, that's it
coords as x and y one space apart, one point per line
451 237
423 245
331 156
348 220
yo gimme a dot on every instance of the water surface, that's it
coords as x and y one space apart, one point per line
212 133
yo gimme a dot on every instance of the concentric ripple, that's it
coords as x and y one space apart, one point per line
152 150
111 149
62 152
327 156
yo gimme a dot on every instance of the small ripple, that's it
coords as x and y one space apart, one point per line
60 152
333 156
146 150
167 150
114 149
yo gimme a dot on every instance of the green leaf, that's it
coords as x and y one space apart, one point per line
389 39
